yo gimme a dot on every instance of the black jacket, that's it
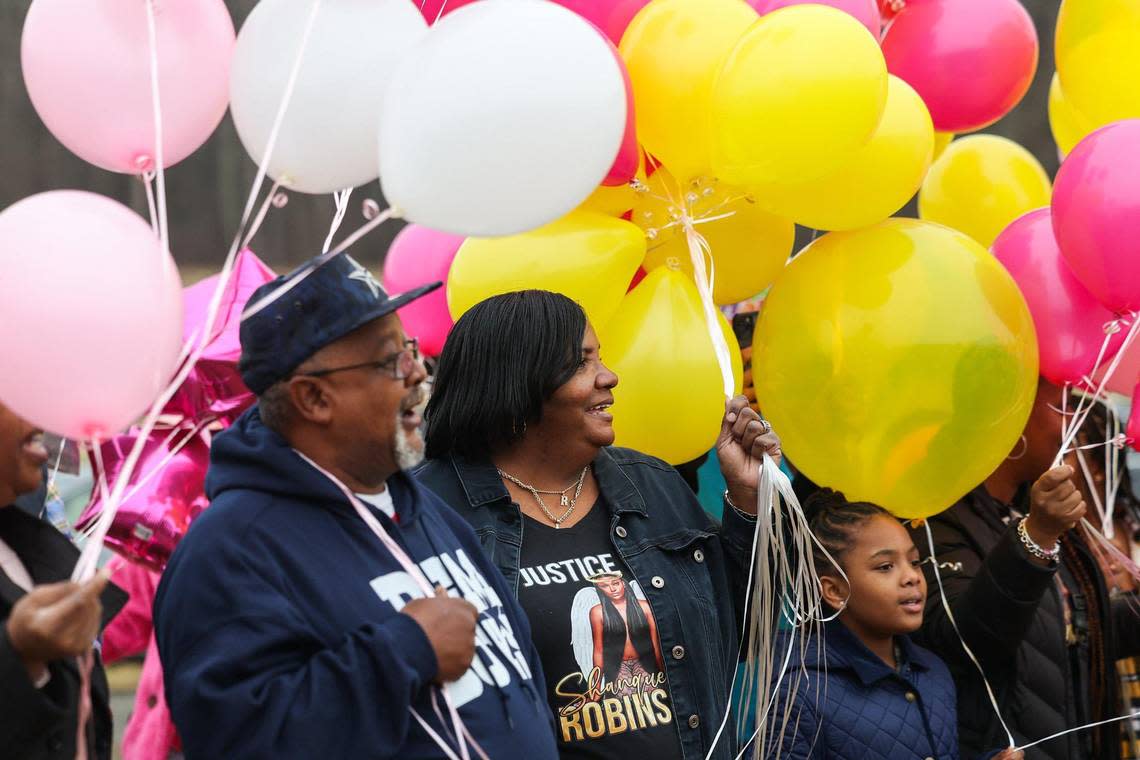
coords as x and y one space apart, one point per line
40 724
694 572
1010 612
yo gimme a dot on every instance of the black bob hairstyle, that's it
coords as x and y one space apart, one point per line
502 361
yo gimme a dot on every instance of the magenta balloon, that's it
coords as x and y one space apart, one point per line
866 11
87 69
1069 320
1133 431
91 318
629 153
419 256
1096 214
972 61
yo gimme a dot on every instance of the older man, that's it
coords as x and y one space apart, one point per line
297 618
47 621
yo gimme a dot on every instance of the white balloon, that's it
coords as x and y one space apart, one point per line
502 119
327 140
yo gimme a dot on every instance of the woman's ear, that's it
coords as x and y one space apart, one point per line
835 591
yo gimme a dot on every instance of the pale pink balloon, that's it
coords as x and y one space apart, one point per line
1070 322
1096 213
87 68
866 11
91 318
418 256
971 61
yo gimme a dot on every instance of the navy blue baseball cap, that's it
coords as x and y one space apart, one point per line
291 318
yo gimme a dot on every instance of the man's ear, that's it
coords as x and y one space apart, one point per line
311 398
835 591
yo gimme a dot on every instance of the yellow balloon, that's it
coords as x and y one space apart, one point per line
980 184
669 401
672 49
1098 58
586 256
796 97
615 200
749 246
1068 126
898 362
876 182
941 140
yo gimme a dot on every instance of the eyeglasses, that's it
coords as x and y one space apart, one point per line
400 366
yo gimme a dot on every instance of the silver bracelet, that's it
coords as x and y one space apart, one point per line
1031 546
737 509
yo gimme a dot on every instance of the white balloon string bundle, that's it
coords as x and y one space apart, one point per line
89 557
933 558
340 201
782 585
461 735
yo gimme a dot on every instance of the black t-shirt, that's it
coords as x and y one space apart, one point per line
597 639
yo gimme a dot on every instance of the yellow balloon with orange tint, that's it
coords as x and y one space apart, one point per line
749 246
669 401
588 257
616 200
797 96
876 182
1068 125
898 363
672 49
980 184
1098 58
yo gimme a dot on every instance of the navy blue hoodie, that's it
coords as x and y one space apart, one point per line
279 630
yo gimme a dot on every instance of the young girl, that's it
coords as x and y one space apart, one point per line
866 691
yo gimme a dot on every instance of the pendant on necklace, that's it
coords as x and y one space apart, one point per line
558 526
565 501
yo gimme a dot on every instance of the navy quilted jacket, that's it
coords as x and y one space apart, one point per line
850 705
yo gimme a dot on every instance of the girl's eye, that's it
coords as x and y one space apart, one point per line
916 563
885 568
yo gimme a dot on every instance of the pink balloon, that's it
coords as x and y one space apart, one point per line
88 72
1069 320
610 16
866 11
91 318
1096 214
418 256
1133 429
1127 373
972 61
629 153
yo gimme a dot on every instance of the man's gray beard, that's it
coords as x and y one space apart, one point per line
408 455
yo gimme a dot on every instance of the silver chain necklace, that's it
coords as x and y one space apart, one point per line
568 503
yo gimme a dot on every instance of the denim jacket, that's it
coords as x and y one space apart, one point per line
693 571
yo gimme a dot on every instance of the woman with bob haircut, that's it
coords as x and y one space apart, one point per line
520 443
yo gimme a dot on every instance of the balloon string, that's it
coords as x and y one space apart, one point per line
1083 410
1080 728
340 200
159 148
273 199
958 632
147 178
419 578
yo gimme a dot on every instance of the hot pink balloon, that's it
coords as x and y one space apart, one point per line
418 256
91 318
88 72
866 11
972 61
1069 320
610 16
1096 214
1133 429
629 154
1127 373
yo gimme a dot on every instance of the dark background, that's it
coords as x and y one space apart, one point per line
206 192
